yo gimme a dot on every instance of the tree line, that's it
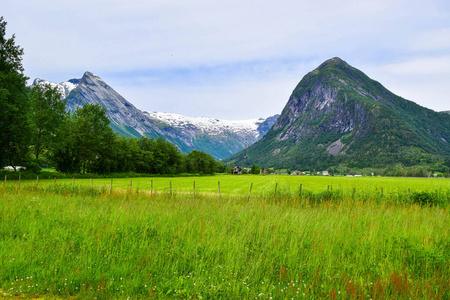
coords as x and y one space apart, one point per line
36 130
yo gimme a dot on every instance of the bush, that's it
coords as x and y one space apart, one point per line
425 198
255 169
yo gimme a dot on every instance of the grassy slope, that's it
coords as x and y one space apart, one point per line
66 242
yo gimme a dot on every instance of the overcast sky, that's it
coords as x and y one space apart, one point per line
232 59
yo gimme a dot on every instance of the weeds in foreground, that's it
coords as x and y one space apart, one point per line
74 241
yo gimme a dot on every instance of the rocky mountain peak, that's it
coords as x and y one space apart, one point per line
333 62
336 114
220 138
92 79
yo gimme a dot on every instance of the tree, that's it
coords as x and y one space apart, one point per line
92 134
47 115
221 167
65 153
255 169
14 132
229 168
167 159
200 162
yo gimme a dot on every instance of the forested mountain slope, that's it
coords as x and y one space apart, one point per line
219 138
338 115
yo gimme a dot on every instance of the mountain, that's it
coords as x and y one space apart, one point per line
220 138
337 115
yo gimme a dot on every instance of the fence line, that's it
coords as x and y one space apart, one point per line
408 196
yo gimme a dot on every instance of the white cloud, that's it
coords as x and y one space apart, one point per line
437 39
423 81
421 67
213 54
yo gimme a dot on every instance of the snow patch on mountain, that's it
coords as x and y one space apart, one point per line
208 125
220 138
64 88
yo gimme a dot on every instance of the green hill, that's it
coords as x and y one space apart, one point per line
337 115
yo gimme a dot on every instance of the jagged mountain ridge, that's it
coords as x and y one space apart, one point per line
338 115
220 138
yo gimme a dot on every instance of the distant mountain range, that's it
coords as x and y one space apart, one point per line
219 138
337 115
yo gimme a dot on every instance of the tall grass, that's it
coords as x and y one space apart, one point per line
64 241
365 187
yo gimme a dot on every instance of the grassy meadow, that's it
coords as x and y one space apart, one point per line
336 238
389 187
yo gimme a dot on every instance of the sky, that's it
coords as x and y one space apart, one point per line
230 59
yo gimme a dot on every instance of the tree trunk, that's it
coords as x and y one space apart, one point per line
12 165
38 143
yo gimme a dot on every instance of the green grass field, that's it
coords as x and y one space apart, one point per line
240 185
59 241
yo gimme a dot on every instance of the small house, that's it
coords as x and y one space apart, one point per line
237 170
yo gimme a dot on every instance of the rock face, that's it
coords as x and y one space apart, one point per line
220 138
125 118
338 115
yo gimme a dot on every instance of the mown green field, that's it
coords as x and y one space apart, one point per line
59 241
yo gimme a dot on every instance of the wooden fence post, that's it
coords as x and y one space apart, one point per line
73 182
5 180
37 181
194 187
131 184
250 192
151 187
381 192
300 191
19 180
409 193
110 189
92 185
275 193
218 186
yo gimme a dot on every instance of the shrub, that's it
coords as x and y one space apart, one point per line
425 198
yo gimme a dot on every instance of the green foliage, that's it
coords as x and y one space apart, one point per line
47 113
14 125
200 162
91 133
425 198
85 143
255 169
65 154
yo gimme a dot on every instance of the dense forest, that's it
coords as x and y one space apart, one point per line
37 131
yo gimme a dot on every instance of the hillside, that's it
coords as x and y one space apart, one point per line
337 115
220 138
